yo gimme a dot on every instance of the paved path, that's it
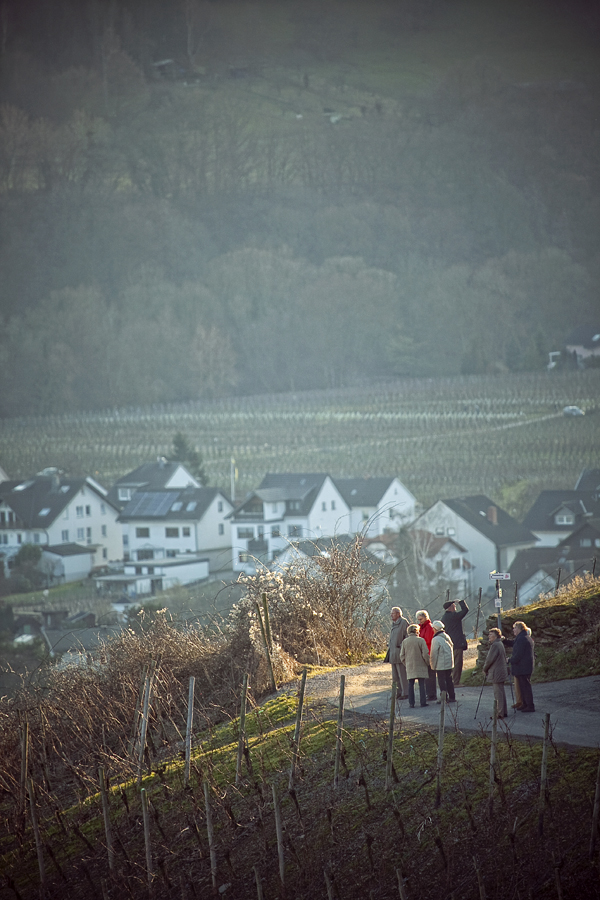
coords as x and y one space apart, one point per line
574 705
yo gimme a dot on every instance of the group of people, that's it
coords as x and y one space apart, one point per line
420 652
425 650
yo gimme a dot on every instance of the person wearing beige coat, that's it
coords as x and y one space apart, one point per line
441 658
415 657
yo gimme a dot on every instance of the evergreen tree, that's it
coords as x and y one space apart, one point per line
183 452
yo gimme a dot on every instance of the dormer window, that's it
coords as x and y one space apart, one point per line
44 511
176 506
124 493
191 506
564 519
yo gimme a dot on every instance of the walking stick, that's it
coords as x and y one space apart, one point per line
480 696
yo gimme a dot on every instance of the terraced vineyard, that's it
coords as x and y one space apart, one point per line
442 437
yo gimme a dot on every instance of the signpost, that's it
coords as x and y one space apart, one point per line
498 577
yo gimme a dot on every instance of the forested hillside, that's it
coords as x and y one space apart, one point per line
308 194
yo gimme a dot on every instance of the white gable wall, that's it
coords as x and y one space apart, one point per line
481 551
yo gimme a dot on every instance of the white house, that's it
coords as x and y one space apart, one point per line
140 579
51 509
556 514
284 508
377 505
164 524
442 560
491 536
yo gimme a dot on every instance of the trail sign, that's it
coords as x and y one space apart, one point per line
500 576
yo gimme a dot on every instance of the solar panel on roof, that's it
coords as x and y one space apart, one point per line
151 503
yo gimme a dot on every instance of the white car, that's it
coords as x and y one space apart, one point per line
573 411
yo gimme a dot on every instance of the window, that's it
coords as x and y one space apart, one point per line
293 504
36 538
145 554
243 557
150 570
323 506
220 506
81 534
4 539
104 531
138 570
274 507
191 506
172 532
455 562
221 529
245 533
392 514
66 513
142 532
439 531
103 509
104 553
79 512
2 518
124 494
450 532
88 510
365 515
294 531
333 504
44 511
176 506
439 567
64 536
126 540
171 554
585 542
89 535
186 531
564 519
275 532
64 488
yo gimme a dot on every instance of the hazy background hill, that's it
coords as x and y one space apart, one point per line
308 195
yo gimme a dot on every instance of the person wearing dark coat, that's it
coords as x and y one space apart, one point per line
453 626
521 664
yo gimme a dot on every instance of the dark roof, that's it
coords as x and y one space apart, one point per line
587 336
80 639
362 491
43 493
152 476
475 510
589 480
540 517
528 562
166 504
70 549
323 547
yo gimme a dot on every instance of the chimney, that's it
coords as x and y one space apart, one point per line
492 515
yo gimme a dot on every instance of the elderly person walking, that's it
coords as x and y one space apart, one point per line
442 659
521 663
496 670
397 635
453 623
426 632
415 657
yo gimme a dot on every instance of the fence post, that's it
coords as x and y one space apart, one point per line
390 744
267 621
144 728
557 582
36 833
476 630
440 751
188 730
516 600
148 845
211 836
106 815
296 744
338 738
279 833
595 815
24 766
242 729
544 776
266 646
493 758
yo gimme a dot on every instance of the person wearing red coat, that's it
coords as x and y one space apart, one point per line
426 631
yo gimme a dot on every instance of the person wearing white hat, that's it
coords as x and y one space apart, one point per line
442 659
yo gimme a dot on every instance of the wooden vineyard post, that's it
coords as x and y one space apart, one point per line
147 842
338 737
297 731
476 630
482 895
595 816
211 836
24 766
36 834
266 646
138 711
544 776
390 743
493 758
440 752
106 815
279 833
189 730
242 734
516 600
257 878
267 622
144 728
401 888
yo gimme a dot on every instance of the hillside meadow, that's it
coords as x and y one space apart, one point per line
502 435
